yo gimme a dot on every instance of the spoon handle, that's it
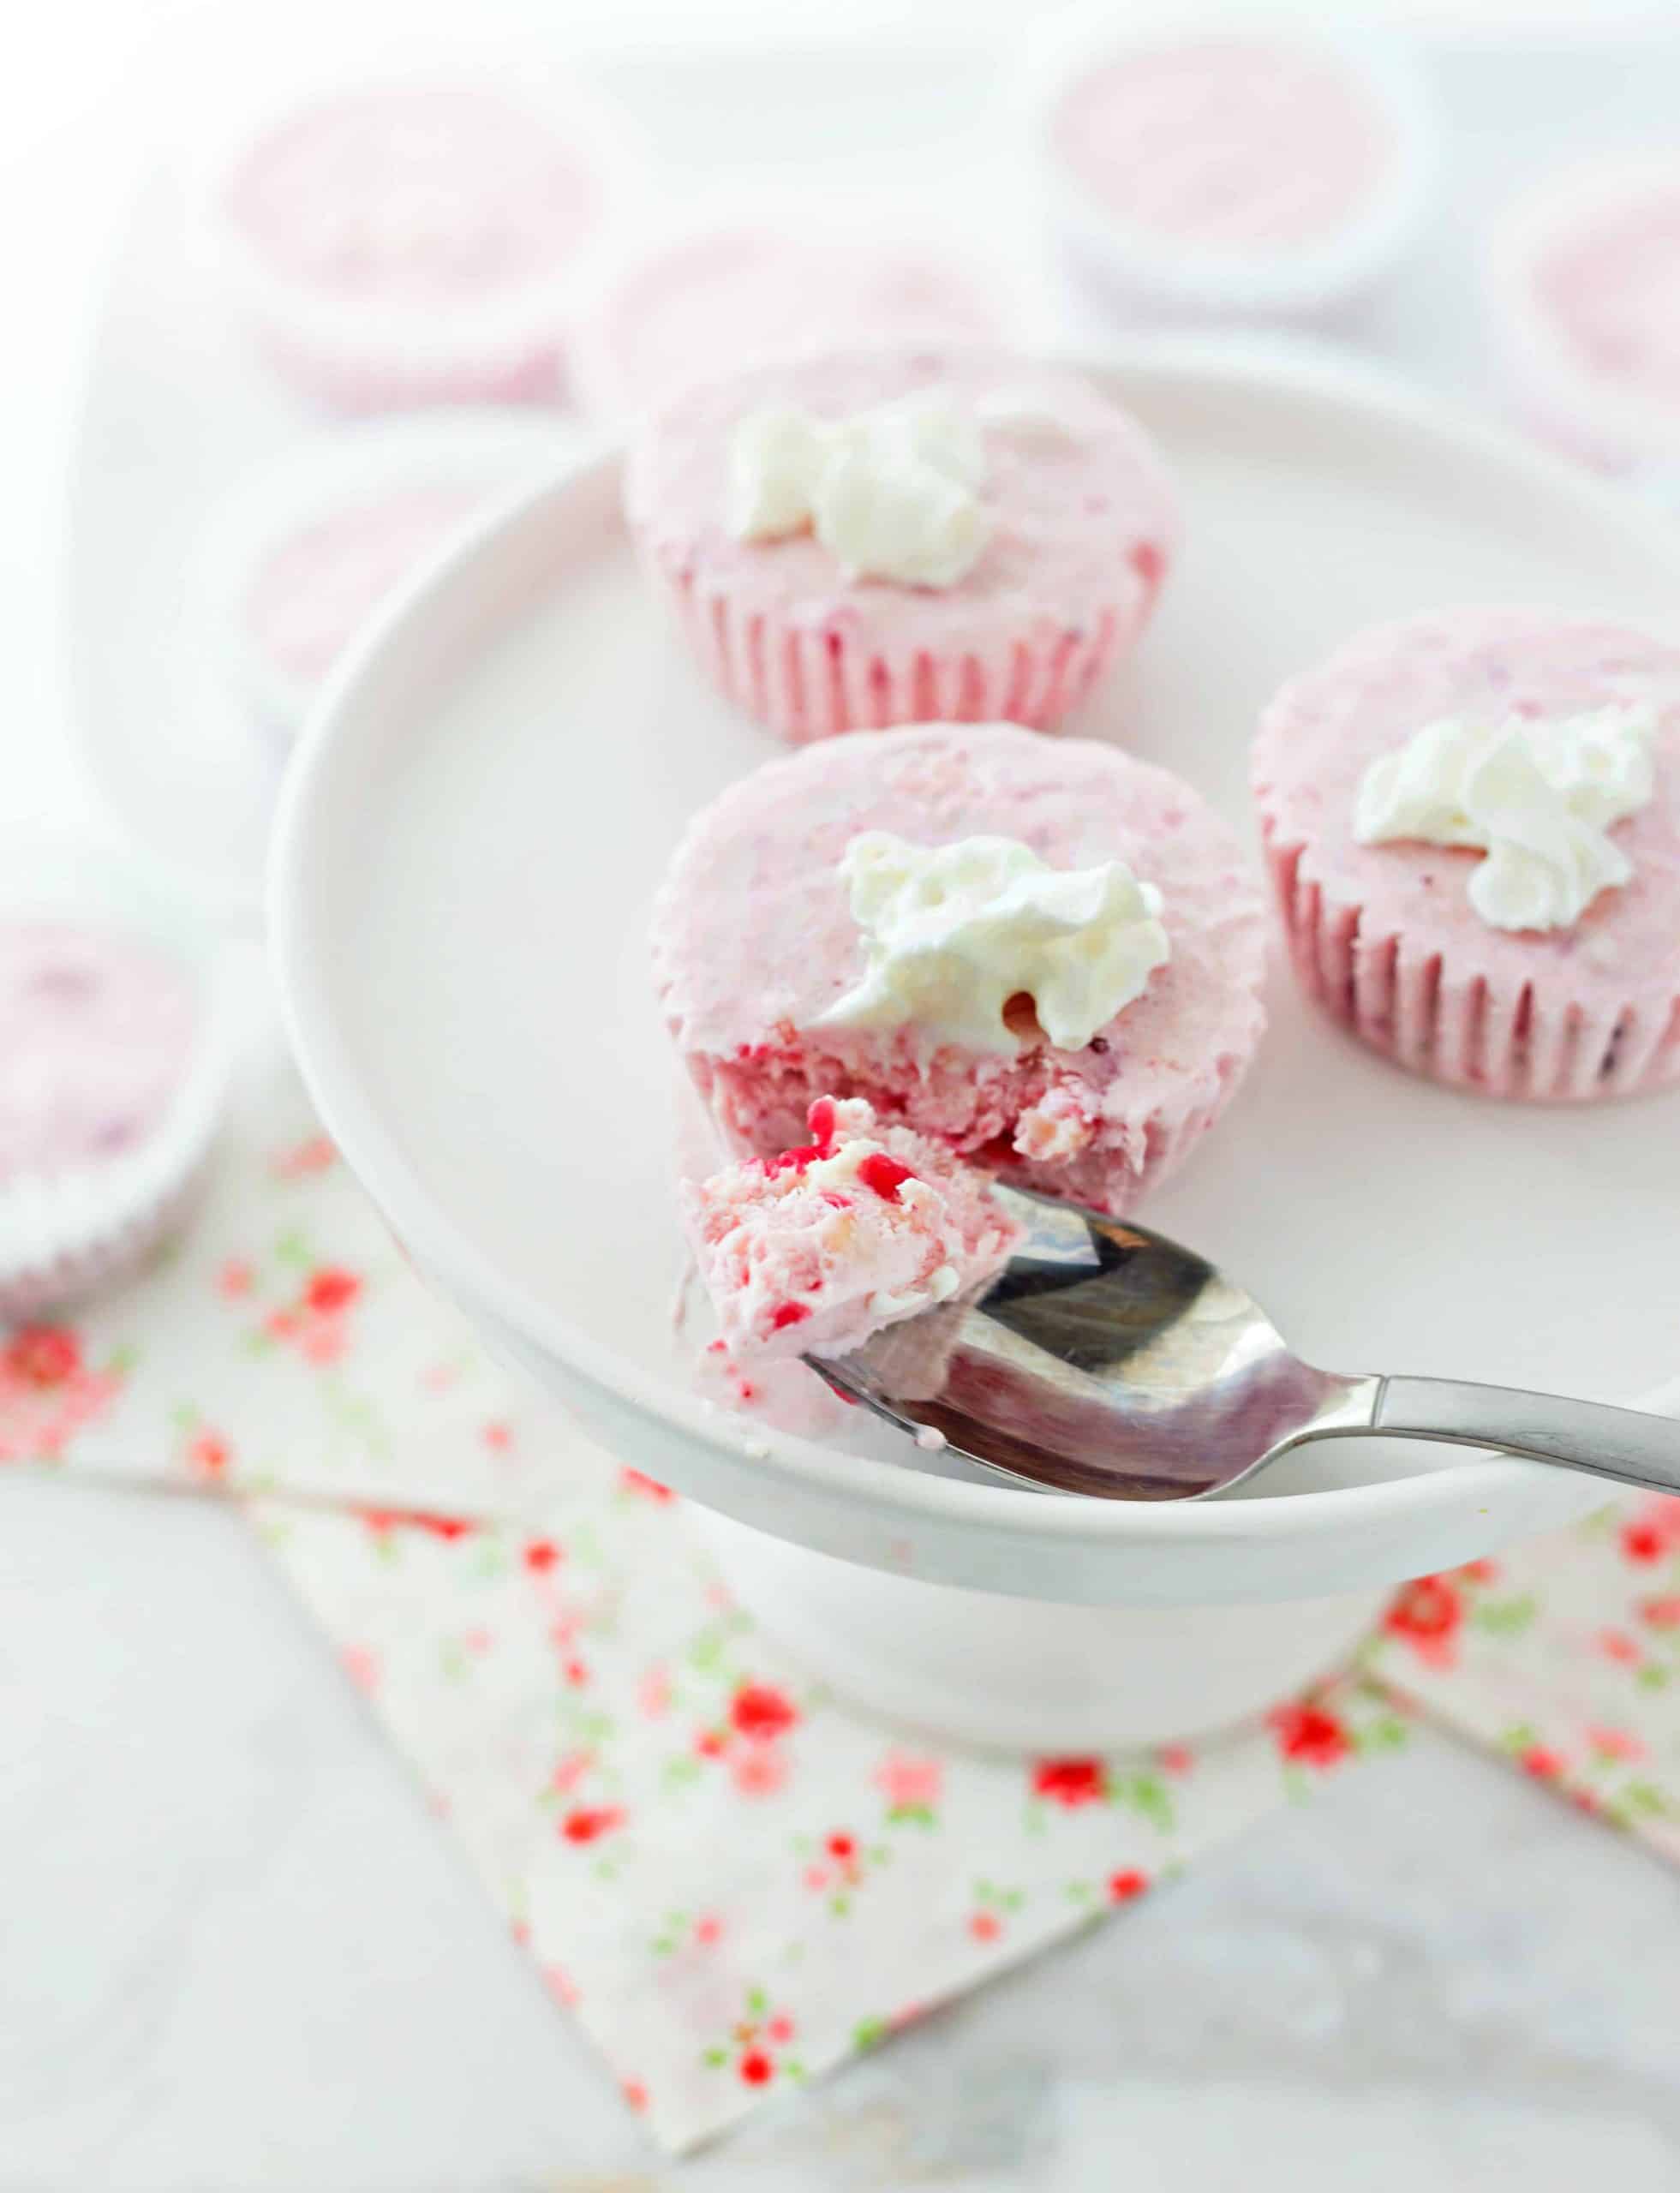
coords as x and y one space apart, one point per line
1626 1445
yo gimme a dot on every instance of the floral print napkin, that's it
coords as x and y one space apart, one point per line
1566 1656
733 1881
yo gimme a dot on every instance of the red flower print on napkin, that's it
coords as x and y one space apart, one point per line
588 1823
1428 1614
1653 1532
49 1392
911 1786
761 1713
43 1356
1071 1782
754 2044
316 1321
1308 1735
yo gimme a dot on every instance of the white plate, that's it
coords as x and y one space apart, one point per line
477 823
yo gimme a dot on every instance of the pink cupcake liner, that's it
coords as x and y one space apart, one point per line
70 1275
806 683
1453 1024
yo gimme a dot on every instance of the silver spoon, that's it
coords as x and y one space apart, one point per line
1106 1360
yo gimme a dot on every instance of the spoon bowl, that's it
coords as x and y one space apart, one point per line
1108 1360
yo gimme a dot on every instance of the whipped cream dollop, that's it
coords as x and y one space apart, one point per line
891 492
952 933
1538 795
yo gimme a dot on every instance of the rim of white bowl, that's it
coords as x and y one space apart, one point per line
375 1155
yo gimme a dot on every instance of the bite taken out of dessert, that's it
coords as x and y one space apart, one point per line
819 1246
1473 824
1043 957
887 536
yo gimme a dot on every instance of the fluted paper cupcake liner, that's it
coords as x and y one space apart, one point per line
807 682
1442 1016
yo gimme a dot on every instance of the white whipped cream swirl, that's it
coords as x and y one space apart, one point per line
890 491
953 932
1538 795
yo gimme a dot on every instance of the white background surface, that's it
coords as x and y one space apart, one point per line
235 1952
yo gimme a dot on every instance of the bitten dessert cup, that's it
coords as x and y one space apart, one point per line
756 944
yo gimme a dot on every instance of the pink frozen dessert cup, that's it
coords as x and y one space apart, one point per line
1583 272
1218 169
1020 860
1473 824
419 240
295 563
110 1081
718 296
902 536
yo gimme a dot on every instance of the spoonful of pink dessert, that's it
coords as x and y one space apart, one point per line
1051 1346
813 1252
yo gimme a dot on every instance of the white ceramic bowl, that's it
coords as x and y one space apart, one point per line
473 828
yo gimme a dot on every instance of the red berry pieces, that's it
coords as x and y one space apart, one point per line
821 1121
789 1313
883 1173
794 1161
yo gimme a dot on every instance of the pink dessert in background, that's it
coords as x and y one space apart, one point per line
307 547
1222 172
708 302
1585 273
1224 142
414 195
1386 935
755 943
412 241
1081 525
313 591
97 1031
814 1249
